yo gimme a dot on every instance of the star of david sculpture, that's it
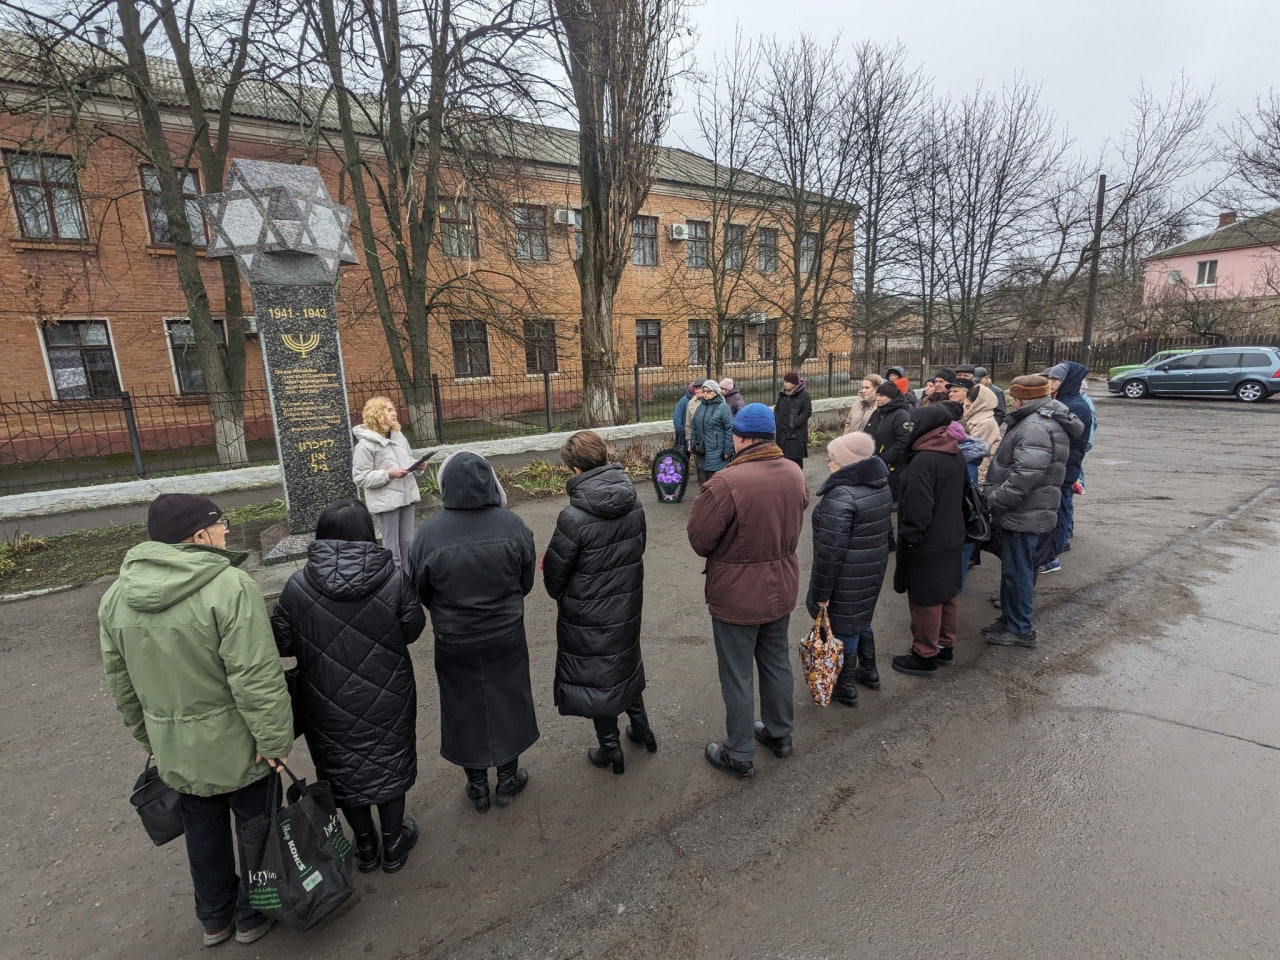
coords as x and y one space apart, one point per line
290 240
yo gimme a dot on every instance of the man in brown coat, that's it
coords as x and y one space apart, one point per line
746 522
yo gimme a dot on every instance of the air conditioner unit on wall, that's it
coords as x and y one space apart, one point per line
756 318
678 231
563 217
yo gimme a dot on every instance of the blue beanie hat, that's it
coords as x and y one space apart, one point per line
754 422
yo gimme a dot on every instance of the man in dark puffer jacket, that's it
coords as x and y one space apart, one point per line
349 616
1065 380
850 550
594 570
1024 485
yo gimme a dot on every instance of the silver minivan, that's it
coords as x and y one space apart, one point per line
1250 373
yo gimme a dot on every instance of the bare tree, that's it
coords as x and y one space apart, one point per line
425 97
720 284
619 59
806 114
170 59
1000 152
889 100
1254 150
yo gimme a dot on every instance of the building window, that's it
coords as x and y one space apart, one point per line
767 250
540 346
46 196
649 343
470 348
808 252
699 342
1206 273
81 359
182 346
697 247
158 219
644 241
768 346
531 233
735 239
458 233
735 342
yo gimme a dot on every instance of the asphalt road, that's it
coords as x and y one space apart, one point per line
1109 794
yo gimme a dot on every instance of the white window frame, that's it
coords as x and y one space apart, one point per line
1207 273
48 367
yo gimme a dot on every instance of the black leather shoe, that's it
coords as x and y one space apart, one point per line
368 857
946 656
511 780
781 746
742 769
915 665
395 851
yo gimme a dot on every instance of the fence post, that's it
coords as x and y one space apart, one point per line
546 397
126 404
774 392
1052 343
831 373
636 375
438 403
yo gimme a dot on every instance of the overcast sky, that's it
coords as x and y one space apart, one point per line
1088 55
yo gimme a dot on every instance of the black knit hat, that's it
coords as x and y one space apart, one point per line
172 517
889 389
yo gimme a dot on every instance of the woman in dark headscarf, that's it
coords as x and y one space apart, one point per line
472 564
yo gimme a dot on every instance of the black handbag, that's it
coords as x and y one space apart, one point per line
299 857
157 806
977 515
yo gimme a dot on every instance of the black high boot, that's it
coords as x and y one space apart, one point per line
395 848
511 780
846 688
866 674
610 749
368 856
638 730
478 787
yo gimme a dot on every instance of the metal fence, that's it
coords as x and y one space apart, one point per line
47 443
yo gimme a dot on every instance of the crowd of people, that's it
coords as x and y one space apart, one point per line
194 661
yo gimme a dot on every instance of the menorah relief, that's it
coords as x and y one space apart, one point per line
301 344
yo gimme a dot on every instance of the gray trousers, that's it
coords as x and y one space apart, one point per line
397 532
737 646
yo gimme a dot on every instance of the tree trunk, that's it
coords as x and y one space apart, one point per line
422 413
600 406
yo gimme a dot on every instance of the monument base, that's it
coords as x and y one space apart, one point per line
280 546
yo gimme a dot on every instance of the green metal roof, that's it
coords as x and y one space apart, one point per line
1262 230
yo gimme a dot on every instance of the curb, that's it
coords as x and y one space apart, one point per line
45 503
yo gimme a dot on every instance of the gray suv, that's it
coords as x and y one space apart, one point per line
1250 373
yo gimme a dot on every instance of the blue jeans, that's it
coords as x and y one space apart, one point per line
1018 580
851 643
1066 519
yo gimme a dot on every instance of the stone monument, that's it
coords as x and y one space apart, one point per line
289 240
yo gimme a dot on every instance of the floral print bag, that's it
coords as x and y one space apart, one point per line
821 659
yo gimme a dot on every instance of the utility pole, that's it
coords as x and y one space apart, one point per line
1092 295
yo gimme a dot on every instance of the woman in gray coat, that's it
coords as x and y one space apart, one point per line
380 466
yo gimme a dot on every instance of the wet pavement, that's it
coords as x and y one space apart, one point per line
1108 794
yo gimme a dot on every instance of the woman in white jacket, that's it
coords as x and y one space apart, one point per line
380 467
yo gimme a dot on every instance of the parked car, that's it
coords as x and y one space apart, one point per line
1250 373
1151 361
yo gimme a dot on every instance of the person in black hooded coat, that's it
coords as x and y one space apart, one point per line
349 616
930 539
594 570
886 429
473 563
851 524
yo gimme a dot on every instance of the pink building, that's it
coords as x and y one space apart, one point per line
1239 260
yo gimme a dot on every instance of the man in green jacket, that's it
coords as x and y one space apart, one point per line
193 668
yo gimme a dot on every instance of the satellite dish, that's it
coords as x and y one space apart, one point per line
1173 276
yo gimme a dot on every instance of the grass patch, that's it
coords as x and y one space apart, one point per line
73 558
250 512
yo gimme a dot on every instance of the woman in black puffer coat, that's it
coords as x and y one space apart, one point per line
593 569
886 429
349 616
850 551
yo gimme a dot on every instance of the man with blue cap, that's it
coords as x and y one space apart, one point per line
746 522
